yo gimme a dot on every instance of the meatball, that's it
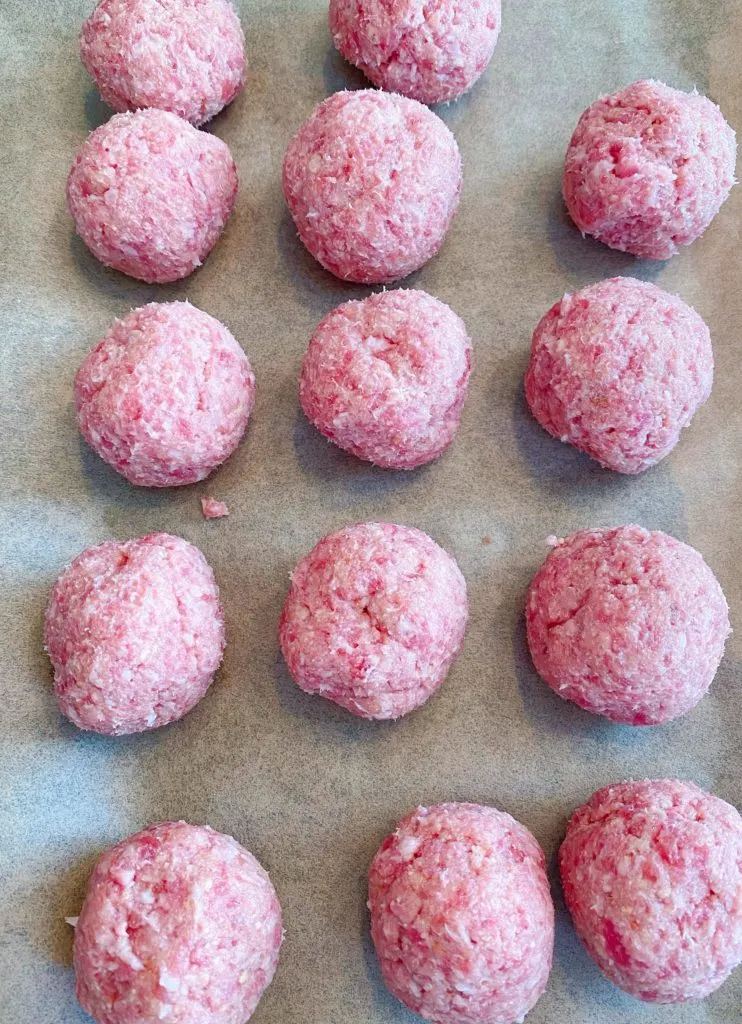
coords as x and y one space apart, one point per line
386 378
179 923
648 169
374 618
652 876
150 194
627 623
135 633
461 915
618 370
372 181
431 52
165 396
185 56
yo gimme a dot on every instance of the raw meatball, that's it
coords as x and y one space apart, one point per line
652 876
648 168
461 915
386 378
150 194
375 615
135 633
432 52
373 182
185 56
626 623
179 923
165 397
618 370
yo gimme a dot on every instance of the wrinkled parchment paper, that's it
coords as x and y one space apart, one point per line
309 789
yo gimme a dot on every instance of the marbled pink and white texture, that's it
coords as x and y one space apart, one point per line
648 168
627 623
652 876
180 924
372 181
150 194
185 56
461 915
135 632
430 51
386 378
618 369
165 396
375 616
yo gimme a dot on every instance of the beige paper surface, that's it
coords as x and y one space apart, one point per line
309 789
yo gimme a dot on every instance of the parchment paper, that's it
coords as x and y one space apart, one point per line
309 789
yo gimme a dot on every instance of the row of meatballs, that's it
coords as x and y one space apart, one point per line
627 623
373 181
617 370
181 922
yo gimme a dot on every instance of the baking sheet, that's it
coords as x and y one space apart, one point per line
309 789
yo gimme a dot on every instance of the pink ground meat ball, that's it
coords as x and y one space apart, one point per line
135 633
618 370
185 56
652 876
372 181
648 168
386 378
180 923
165 397
375 616
150 194
432 52
461 915
626 623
